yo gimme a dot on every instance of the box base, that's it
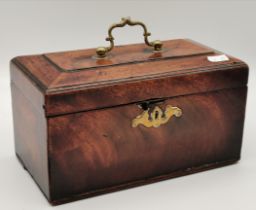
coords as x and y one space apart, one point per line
138 182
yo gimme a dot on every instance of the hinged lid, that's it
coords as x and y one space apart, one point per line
76 81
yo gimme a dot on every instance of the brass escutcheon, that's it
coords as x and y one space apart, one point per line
157 117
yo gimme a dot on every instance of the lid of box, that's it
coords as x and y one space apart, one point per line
80 80
82 60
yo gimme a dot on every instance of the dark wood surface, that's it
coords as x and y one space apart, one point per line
50 79
30 128
94 150
156 87
85 59
73 129
170 74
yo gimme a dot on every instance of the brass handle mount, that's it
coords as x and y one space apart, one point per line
157 117
102 51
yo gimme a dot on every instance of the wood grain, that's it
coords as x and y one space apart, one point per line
100 149
85 59
72 116
30 132
50 79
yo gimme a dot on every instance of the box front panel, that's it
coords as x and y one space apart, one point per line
93 151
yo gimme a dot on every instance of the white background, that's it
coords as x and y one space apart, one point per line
32 27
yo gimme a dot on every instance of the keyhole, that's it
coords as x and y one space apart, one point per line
156 114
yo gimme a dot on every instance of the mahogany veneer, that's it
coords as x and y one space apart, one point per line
73 116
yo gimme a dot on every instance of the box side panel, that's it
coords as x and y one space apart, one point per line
30 128
99 151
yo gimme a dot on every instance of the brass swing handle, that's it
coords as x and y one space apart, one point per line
102 51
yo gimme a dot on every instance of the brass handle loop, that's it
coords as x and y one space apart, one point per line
102 51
